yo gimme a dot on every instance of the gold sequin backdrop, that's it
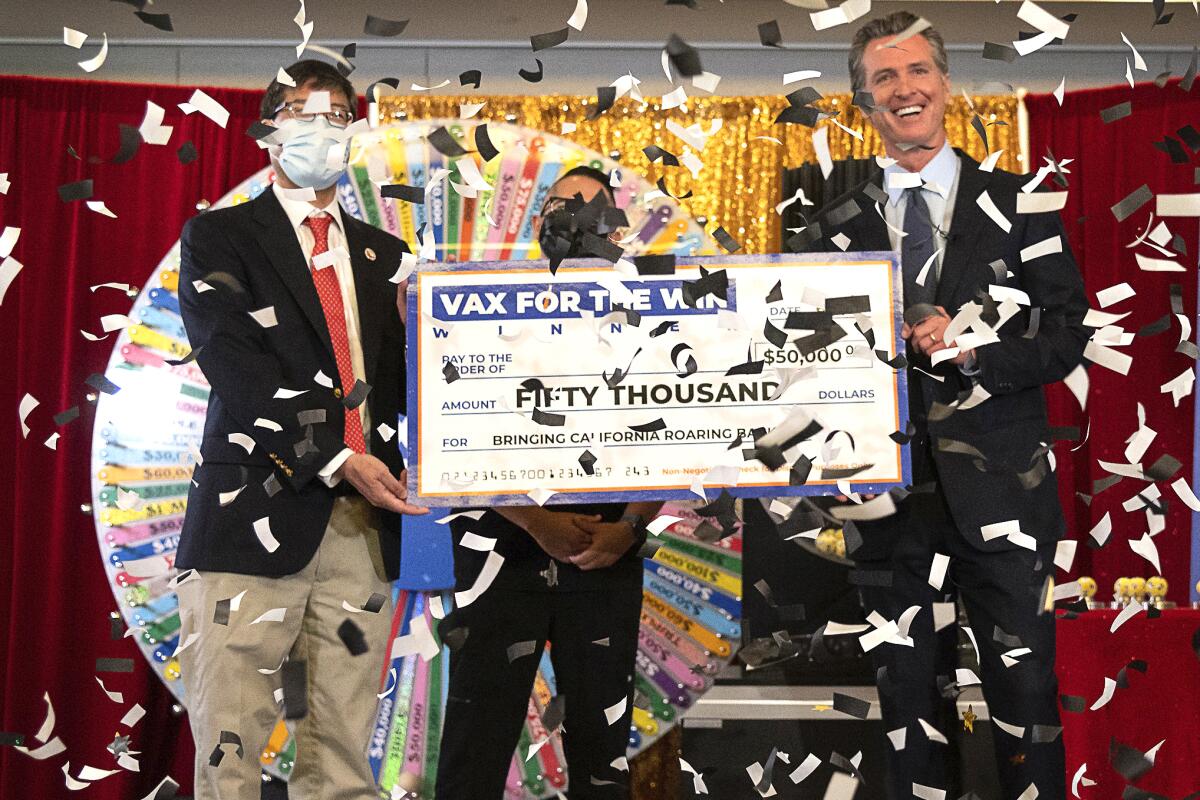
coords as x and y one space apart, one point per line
739 186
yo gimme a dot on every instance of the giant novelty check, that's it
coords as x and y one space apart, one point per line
766 375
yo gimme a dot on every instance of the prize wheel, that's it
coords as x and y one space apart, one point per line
147 437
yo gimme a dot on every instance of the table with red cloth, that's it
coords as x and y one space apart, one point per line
1161 704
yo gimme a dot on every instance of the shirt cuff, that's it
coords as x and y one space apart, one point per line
970 367
326 473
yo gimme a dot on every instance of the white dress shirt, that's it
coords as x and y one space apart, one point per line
297 211
939 188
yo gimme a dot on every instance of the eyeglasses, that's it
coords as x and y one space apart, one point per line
337 116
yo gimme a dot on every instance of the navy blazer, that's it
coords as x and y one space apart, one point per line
250 257
991 460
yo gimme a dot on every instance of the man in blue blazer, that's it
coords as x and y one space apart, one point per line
292 532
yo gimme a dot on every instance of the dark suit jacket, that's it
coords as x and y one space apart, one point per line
1010 428
251 258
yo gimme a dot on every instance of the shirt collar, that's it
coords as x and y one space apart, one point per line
299 210
937 175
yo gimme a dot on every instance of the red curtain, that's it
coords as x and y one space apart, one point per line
56 600
1111 161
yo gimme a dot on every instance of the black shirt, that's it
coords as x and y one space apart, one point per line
527 566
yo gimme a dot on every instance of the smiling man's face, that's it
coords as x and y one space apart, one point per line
910 93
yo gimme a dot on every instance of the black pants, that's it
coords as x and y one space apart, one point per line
488 696
1001 591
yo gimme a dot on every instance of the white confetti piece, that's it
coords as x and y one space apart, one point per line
27 405
100 208
473 541
491 567
540 495
1041 202
578 17
706 81
1146 548
937 570
262 529
74 38
271 615
151 128
898 738
1043 248
1016 731
418 641
133 716
8 240
932 733
1127 613
820 140
1064 554
265 317
924 792
8 270
800 75
1138 62
97 61
1110 687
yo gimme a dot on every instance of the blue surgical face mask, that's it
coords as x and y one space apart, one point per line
305 155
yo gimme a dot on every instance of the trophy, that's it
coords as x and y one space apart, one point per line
1120 593
1137 590
1087 588
1156 588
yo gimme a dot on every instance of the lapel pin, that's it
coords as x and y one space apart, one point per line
370 254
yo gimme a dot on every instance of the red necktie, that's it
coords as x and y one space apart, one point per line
330 293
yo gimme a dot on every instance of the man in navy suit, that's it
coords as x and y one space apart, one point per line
984 493
292 533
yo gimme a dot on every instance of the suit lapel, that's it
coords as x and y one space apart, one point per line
868 230
278 241
968 222
367 294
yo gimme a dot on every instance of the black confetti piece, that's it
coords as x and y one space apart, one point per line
549 418
1073 703
1130 762
746 368
294 677
1173 149
774 335
187 153
483 143
977 125
259 130
401 191
841 762
114 665
804 96
445 143
352 637
588 462
377 26
12 739
853 706
531 75
470 77
801 115
69 415
654 153
555 713
222 611
605 97
776 293
768 772
218 753
727 242
1114 113
649 427
131 140
160 21
544 41
684 57
994 51
372 95
355 397
655 265
80 190
520 650
769 34
116 630
374 603
870 577
1164 468
801 469
1189 77
450 372
311 416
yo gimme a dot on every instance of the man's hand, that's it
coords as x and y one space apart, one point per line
375 482
928 336
610 541
560 533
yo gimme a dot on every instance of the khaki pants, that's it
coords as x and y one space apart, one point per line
226 690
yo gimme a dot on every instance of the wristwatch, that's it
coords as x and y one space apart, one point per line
638 525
